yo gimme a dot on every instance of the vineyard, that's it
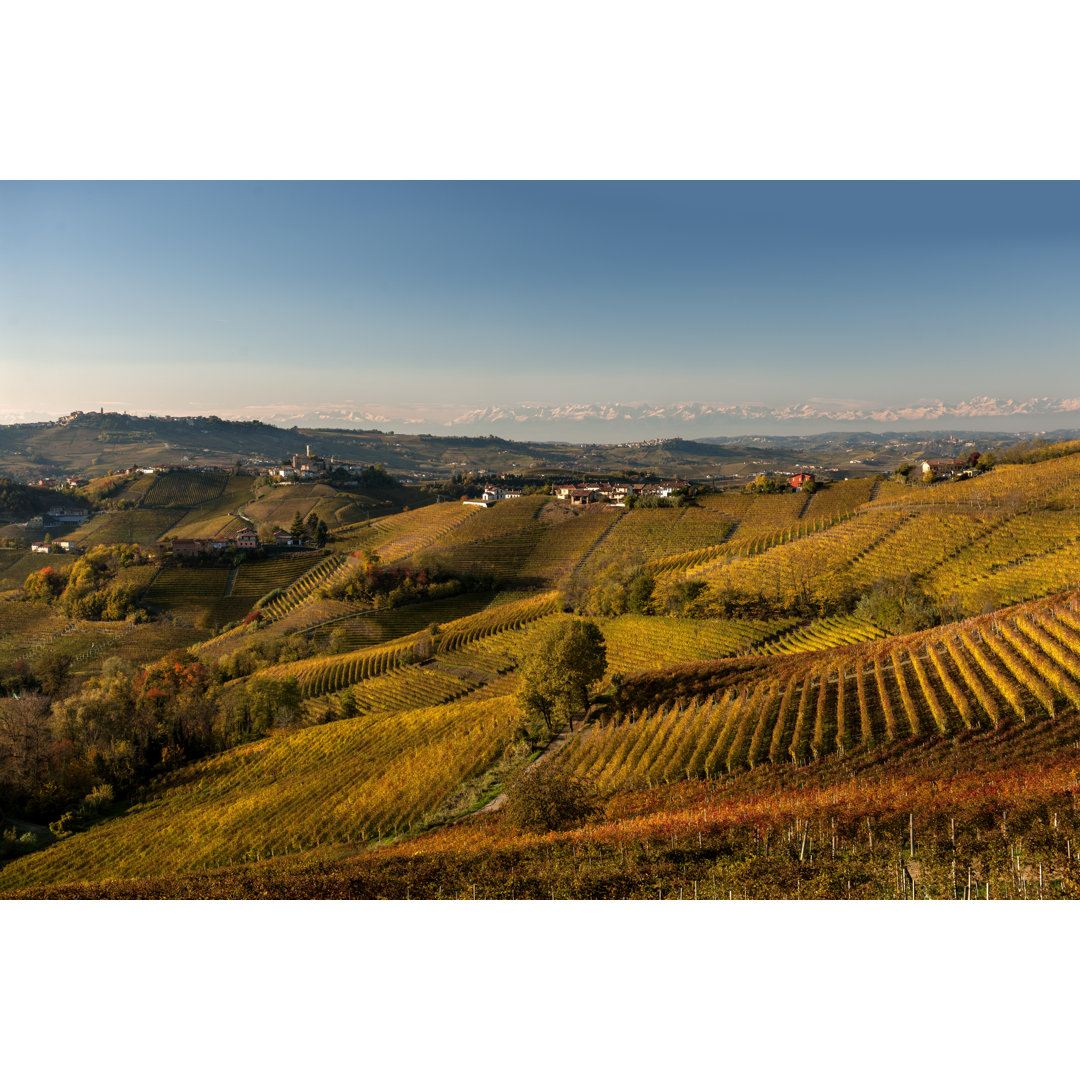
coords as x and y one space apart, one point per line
349 781
646 642
1011 667
822 634
403 535
196 595
775 739
256 579
328 674
375 627
139 526
184 489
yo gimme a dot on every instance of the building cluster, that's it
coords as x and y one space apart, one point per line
493 495
65 547
309 466
58 515
598 492
245 540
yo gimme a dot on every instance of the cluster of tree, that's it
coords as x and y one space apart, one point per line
88 590
264 653
680 498
1033 451
370 478
313 529
386 588
547 796
121 729
20 500
898 607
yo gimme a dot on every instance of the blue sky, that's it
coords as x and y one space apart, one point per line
221 297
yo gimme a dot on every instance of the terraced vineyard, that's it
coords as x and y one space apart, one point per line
349 781
184 489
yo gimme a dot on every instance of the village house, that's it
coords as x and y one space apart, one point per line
247 540
801 478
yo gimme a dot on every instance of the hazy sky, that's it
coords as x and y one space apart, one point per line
216 296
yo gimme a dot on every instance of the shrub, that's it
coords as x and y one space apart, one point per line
547 797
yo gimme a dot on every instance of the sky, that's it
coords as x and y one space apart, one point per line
452 305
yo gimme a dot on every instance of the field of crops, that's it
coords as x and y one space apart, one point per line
196 594
839 498
322 574
825 633
184 489
256 579
139 526
375 627
403 535
1009 668
351 780
646 642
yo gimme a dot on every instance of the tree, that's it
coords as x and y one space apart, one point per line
555 678
321 533
296 529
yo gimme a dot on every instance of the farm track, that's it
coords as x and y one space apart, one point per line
231 581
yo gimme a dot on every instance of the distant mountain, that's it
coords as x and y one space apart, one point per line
614 420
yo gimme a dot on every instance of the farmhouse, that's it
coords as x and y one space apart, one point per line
801 478
247 539
188 547
941 468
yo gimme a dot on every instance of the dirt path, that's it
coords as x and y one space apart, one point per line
553 748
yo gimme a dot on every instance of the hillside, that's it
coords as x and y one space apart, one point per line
92 444
786 675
